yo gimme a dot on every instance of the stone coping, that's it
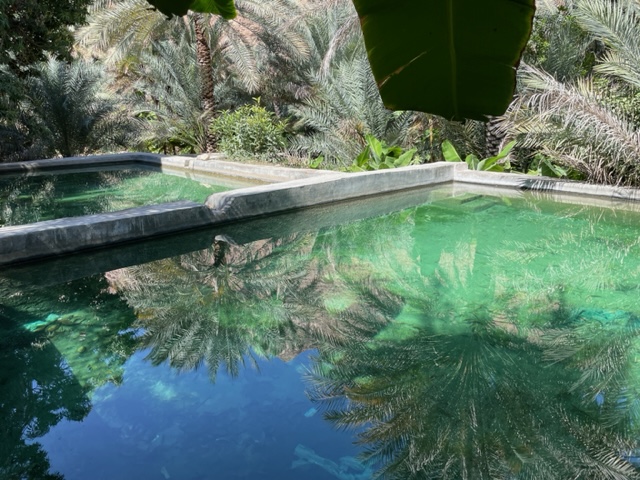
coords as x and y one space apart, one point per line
212 164
66 235
546 184
290 190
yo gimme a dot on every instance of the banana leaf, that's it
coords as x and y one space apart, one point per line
454 58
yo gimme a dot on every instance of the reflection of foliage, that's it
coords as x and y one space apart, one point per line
467 356
225 305
489 371
37 392
28 199
603 348
231 302
471 403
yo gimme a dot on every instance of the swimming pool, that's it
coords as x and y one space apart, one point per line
487 335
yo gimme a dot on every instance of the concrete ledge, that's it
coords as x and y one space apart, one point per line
217 163
212 164
65 164
269 199
544 184
56 270
55 237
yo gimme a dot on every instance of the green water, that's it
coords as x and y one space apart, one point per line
28 199
480 337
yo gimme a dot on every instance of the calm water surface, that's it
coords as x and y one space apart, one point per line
35 198
480 337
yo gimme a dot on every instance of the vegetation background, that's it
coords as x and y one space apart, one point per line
287 81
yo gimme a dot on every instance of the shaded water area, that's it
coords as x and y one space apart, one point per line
479 336
33 198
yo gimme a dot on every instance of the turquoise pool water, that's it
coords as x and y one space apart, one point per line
480 336
33 198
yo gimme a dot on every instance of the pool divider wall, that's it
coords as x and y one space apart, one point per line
66 235
265 200
62 269
56 237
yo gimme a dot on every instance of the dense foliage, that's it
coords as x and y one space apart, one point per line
190 81
249 131
30 29
578 104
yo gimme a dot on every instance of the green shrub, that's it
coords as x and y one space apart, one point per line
377 155
250 130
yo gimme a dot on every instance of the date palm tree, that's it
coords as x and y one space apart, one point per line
175 120
589 124
75 113
574 125
127 28
344 107
616 25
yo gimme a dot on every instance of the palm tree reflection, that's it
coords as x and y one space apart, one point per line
449 361
219 307
479 403
223 306
490 373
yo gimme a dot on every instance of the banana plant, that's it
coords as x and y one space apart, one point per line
376 155
454 58
489 164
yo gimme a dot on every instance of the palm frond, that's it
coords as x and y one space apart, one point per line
344 107
571 123
616 24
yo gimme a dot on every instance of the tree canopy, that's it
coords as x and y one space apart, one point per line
31 29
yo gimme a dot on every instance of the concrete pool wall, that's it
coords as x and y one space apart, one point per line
284 190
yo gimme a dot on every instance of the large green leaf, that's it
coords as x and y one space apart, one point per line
224 8
454 58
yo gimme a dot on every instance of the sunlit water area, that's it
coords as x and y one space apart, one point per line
47 196
480 336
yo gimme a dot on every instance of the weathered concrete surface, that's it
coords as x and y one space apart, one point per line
603 201
269 199
55 237
544 184
22 243
213 164
66 268
267 173
65 164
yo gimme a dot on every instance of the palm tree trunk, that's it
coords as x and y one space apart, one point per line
203 55
493 136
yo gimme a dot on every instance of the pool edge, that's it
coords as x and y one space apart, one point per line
290 192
